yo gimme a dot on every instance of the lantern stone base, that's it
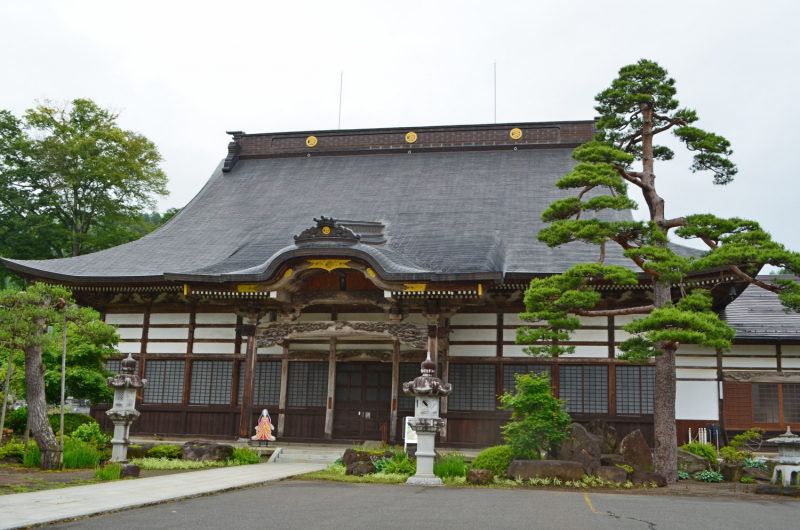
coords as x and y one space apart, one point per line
422 481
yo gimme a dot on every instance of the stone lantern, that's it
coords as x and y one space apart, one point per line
788 457
123 413
427 390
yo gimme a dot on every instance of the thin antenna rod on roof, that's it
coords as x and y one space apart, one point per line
495 91
341 80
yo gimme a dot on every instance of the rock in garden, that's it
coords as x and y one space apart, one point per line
581 447
757 473
479 476
139 451
640 476
612 473
360 468
354 455
769 489
202 451
606 432
130 470
692 463
731 472
560 469
613 460
634 448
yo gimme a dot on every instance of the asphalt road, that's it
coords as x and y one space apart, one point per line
310 505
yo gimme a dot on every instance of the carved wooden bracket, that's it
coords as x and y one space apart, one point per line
271 333
760 377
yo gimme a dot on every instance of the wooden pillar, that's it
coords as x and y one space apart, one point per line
433 340
395 391
331 391
778 358
282 398
246 410
443 401
612 349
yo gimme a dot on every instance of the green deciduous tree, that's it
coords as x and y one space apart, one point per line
538 419
639 105
24 318
72 181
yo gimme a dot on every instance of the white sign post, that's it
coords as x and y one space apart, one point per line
409 434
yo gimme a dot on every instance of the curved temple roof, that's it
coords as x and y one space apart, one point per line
435 215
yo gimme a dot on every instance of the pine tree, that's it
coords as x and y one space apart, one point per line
639 105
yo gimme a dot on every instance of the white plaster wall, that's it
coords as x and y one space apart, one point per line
510 335
620 335
739 349
595 352
130 347
621 320
213 347
473 351
169 318
305 346
695 360
215 333
694 349
512 319
272 350
125 318
586 335
514 351
728 362
696 400
166 347
168 333
474 319
474 334
215 318
696 373
790 350
594 321
129 333
790 363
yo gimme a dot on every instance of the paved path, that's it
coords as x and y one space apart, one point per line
41 507
301 505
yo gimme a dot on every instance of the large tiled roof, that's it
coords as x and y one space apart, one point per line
758 314
467 214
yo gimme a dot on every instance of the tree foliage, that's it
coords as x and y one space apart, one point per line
72 181
538 419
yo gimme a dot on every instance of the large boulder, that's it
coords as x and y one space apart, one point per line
769 489
757 473
613 460
130 470
479 476
360 469
560 469
354 455
640 476
582 447
692 463
612 474
202 451
731 472
606 432
634 448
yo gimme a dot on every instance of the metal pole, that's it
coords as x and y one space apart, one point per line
5 390
495 91
63 380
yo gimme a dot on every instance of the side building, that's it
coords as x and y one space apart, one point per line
314 270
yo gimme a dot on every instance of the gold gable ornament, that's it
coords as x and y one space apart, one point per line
414 287
311 141
329 264
249 288
371 272
516 133
411 137
287 273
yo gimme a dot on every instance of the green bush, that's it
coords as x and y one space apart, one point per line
538 420
398 464
242 456
709 476
751 439
755 463
495 459
166 463
108 472
18 420
12 450
683 475
165 451
79 455
700 449
732 456
90 433
748 480
450 465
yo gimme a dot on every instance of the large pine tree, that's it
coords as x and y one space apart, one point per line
639 105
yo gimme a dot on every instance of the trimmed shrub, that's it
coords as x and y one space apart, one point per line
18 420
172 452
244 455
495 459
90 433
12 450
704 450
709 476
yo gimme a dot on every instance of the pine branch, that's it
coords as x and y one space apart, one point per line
641 310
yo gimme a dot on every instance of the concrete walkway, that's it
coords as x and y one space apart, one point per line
26 509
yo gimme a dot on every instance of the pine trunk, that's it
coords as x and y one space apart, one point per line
37 407
665 457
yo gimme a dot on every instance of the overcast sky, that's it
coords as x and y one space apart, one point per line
185 72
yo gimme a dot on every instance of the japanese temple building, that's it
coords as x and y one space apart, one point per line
314 270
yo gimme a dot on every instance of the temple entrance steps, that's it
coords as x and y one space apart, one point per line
307 455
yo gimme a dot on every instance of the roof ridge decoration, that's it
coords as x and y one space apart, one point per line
327 231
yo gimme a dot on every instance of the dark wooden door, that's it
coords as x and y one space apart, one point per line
363 399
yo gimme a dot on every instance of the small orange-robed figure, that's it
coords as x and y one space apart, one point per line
264 428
